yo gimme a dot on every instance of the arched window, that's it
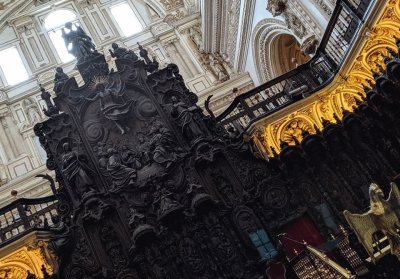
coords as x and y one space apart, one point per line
126 19
53 23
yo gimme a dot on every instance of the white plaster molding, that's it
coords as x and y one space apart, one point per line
264 34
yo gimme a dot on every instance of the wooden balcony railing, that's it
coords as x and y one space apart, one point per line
24 216
344 25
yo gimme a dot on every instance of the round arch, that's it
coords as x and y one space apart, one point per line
274 46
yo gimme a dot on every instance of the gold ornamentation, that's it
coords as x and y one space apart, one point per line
27 258
341 93
294 130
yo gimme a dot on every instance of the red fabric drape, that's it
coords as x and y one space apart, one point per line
299 230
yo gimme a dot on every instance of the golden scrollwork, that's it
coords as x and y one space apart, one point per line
16 263
340 95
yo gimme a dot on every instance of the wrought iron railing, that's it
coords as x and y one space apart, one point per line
250 107
24 216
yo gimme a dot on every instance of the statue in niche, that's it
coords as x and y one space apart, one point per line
195 35
78 42
183 115
113 247
224 187
218 69
163 146
32 111
112 104
76 171
59 79
120 52
33 114
121 174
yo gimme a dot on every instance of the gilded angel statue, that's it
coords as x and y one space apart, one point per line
383 216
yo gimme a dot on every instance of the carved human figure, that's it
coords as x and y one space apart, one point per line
62 236
120 52
219 70
112 104
295 24
280 8
163 146
166 201
33 114
224 188
102 159
276 7
59 79
75 171
112 246
196 37
183 115
78 42
135 218
130 158
121 174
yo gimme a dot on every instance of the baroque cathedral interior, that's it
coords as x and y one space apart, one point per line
194 139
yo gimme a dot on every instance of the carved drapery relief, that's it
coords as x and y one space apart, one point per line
343 94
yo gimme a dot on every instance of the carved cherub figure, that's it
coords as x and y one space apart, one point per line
383 216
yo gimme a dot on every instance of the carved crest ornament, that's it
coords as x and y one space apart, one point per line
150 187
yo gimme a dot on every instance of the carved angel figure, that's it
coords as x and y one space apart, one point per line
112 103
383 216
